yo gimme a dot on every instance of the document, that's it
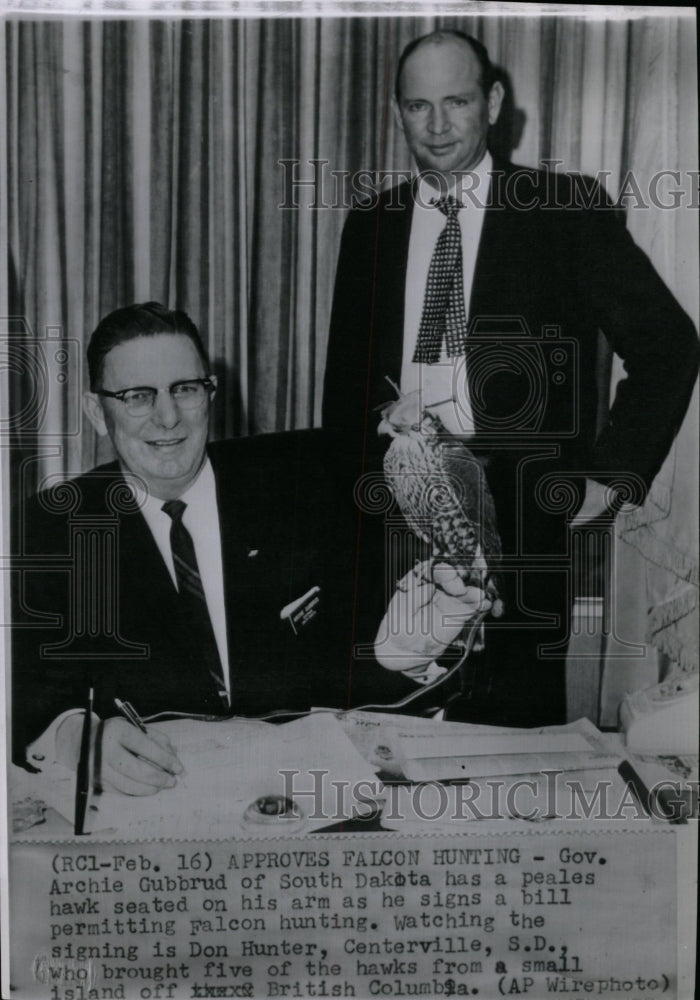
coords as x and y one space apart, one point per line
240 778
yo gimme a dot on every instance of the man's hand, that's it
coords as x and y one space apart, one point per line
136 763
426 614
130 761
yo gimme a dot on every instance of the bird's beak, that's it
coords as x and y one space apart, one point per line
386 427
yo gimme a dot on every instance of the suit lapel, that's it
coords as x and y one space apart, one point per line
149 593
240 554
135 545
494 271
393 235
256 543
136 537
502 290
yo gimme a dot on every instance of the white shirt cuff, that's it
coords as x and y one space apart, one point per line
426 673
42 752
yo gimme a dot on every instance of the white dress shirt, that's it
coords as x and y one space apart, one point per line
446 379
201 518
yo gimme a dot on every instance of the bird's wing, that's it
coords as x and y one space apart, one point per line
407 471
474 495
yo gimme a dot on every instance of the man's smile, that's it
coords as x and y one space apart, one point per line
165 442
443 147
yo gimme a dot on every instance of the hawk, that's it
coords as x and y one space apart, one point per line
441 490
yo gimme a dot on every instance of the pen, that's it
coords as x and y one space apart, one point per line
130 713
673 810
82 786
633 781
132 716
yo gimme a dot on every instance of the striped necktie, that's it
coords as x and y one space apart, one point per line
444 318
192 600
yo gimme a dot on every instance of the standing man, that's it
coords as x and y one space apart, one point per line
484 286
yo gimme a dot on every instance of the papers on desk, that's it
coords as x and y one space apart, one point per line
431 757
428 750
442 773
462 772
229 767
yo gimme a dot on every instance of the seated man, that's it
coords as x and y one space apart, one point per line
184 577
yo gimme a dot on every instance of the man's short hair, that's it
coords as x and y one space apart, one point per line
144 319
488 74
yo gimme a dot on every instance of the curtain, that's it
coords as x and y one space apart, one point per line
171 160
146 161
656 566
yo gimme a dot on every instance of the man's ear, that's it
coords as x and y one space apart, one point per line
92 405
397 113
496 95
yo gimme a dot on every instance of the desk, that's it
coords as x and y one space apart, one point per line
465 907
229 766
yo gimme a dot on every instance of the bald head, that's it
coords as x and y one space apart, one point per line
439 38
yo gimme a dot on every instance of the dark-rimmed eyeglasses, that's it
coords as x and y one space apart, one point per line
187 394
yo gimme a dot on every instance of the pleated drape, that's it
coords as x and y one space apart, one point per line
150 159
656 567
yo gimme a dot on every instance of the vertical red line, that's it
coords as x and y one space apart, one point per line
358 539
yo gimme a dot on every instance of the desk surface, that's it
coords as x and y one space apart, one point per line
228 767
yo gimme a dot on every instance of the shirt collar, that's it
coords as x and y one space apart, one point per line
202 489
426 193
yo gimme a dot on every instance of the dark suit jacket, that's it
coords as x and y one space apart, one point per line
548 276
281 534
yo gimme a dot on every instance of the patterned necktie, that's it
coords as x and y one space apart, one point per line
444 318
192 600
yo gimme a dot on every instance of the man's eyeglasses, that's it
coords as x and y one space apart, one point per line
187 395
